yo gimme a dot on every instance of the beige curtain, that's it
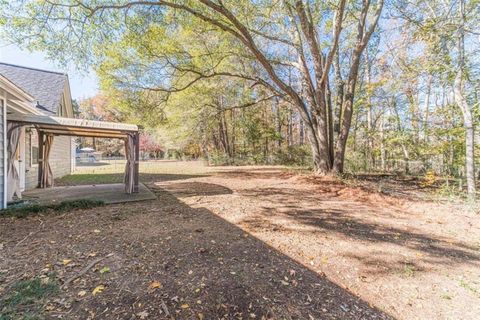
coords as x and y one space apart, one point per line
13 178
46 174
129 166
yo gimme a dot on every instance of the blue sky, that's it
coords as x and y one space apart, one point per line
82 85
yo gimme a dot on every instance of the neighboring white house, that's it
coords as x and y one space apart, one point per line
51 96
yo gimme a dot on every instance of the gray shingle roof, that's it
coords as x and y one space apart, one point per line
45 86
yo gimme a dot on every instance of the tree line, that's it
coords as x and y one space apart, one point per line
366 85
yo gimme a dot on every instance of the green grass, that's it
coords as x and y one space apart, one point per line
68 205
112 171
25 299
90 178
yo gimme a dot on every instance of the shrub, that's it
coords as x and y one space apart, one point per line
299 155
68 205
218 158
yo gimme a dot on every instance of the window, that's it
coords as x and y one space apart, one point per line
33 148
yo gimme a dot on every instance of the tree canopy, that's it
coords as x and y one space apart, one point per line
378 85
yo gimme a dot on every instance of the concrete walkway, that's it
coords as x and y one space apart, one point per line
109 193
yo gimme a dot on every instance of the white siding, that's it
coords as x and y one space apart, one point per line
2 149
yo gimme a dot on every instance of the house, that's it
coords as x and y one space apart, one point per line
37 129
51 96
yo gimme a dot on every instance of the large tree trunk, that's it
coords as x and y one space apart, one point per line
346 122
319 157
363 37
339 85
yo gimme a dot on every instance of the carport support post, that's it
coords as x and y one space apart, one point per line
136 142
41 139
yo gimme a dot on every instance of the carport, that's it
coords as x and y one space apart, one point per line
50 126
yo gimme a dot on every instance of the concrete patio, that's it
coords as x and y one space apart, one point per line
109 193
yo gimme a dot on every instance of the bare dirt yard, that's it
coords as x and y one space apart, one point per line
243 243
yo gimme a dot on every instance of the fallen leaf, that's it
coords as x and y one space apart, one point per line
143 314
96 231
185 306
66 261
154 285
49 307
104 270
98 289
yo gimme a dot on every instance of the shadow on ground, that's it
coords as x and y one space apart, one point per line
194 188
360 224
205 267
103 178
259 173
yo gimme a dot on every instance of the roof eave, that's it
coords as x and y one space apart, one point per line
16 89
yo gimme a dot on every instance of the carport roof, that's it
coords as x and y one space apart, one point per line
75 127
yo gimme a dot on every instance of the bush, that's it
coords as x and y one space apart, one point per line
24 211
219 158
299 155
294 156
355 162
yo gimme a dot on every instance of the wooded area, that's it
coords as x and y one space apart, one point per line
357 86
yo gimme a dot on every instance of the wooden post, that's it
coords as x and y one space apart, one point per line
136 142
41 137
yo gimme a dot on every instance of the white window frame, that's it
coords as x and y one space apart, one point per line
32 165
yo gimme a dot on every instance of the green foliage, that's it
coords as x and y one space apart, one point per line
355 162
25 298
190 80
294 156
449 189
219 158
64 206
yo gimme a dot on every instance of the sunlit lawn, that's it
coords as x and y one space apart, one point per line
111 171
